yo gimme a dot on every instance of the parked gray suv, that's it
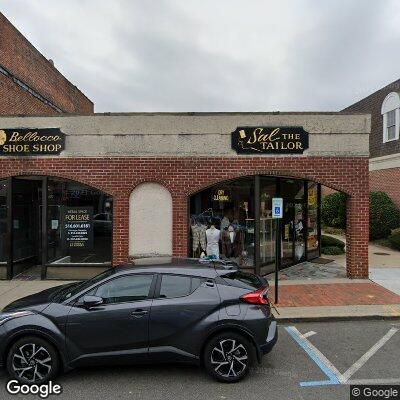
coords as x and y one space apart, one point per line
164 310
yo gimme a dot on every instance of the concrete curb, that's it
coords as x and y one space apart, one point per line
285 320
337 313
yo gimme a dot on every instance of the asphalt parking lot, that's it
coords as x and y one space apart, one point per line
311 361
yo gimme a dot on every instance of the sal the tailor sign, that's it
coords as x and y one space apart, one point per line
270 140
77 227
31 142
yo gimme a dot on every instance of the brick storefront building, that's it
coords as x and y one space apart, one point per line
29 83
160 184
384 107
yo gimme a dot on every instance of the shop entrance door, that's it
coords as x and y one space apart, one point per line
26 229
293 231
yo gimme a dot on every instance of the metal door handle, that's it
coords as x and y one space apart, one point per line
139 313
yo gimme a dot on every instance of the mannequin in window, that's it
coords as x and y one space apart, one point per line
299 226
232 242
213 236
225 223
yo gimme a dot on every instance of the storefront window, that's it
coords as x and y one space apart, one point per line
312 215
222 222
3 222
267 224
292 189
79 224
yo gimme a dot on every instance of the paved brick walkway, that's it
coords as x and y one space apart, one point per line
334 294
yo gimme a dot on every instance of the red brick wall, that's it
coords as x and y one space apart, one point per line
388 181
186 175
20 58
14 100
372 105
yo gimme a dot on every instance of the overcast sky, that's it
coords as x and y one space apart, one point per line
216 55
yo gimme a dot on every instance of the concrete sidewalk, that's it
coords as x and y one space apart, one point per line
378 256
386 277
15 289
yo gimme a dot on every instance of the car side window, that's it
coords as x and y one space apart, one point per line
125 288
243 280
178 286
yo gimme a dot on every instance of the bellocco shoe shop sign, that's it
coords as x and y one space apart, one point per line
31 142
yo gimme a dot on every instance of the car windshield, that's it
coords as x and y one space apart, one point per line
72 290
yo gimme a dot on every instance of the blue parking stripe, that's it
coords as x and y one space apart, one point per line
318 383
333 380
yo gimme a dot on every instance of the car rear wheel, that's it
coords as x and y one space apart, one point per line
32 360
228 357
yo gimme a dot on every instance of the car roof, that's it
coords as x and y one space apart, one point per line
174 265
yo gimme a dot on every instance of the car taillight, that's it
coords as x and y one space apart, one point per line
260 296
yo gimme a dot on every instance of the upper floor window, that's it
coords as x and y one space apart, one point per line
391 117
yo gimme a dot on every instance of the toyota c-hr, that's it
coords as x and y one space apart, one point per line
158 310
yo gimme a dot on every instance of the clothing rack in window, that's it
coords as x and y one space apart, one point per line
203 218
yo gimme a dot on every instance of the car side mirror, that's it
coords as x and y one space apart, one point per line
92 301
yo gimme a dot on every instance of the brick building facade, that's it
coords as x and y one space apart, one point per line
384 151
174 160
29 83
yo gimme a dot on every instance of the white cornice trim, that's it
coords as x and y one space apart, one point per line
385 162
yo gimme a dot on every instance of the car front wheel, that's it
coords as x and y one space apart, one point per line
228 357
32 360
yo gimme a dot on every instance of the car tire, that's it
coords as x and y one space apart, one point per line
32 360
228 357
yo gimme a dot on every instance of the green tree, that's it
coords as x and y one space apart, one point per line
333 210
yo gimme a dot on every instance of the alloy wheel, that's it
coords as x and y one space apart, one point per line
31 362
229 358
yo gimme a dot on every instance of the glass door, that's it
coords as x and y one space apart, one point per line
293 231
267 225
3 230
313 226
26 199
299 231
287 230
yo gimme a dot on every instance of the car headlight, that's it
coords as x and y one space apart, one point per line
4 317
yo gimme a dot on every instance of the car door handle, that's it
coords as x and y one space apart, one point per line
139 313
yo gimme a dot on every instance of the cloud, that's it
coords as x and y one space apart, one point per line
225 55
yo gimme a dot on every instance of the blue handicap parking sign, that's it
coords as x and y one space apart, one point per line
277 205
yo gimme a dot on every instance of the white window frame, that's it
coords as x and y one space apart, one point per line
391 103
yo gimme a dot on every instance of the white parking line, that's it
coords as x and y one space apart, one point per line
335 377
359 363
